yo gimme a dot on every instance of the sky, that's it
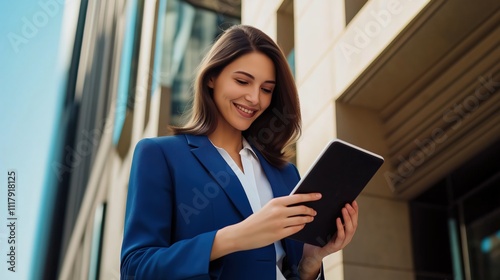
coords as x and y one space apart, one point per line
32 79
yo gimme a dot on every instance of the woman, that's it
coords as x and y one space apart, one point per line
212 201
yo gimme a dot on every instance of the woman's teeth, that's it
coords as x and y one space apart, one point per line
244 110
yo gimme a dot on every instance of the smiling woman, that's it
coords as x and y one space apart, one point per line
270 137
242 92
212 201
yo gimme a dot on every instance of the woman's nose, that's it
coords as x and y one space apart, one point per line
253 96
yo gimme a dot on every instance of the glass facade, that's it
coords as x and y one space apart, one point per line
128 66
188 33
112 51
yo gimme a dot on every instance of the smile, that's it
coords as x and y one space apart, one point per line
245 110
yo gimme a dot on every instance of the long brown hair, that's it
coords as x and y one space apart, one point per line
279 125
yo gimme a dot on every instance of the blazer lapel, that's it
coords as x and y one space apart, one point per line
218 169
273 175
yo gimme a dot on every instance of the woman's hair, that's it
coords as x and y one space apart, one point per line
279 125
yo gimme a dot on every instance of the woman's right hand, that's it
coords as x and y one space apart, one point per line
273 222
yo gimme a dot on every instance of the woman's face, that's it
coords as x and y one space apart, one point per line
243 90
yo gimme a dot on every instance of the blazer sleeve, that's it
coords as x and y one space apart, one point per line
148 251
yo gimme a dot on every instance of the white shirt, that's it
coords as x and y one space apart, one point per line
257 188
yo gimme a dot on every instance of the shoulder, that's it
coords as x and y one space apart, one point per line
174 144
289 169
163 146
163 142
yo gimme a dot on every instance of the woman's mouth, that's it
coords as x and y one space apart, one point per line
244 111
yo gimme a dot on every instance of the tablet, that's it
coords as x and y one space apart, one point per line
339 173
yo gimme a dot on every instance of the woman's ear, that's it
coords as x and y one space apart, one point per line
210 83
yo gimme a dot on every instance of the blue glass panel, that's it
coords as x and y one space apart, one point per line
162 6
125 68
291 60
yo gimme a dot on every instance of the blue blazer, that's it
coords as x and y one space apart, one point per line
181 191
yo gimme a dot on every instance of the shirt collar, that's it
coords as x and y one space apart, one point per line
247 146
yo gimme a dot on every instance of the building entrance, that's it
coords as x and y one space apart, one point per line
456 223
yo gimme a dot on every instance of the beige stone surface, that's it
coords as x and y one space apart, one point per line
316 91
333 266
315 137
363 127
355 272
261 14
383 236
316 28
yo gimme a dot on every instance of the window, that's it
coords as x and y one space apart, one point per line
456 223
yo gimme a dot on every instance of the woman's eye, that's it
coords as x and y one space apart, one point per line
266 90
241 82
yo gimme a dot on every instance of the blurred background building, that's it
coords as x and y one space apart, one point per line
415 81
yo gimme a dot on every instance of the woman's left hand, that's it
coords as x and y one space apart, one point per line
313 255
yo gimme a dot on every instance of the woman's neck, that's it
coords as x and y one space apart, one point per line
228 139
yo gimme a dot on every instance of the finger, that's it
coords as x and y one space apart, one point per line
353 215
355 205
340 232
350 209
349 227
300 210
347 217
354 212
298 198
298 220
292 229
338 242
